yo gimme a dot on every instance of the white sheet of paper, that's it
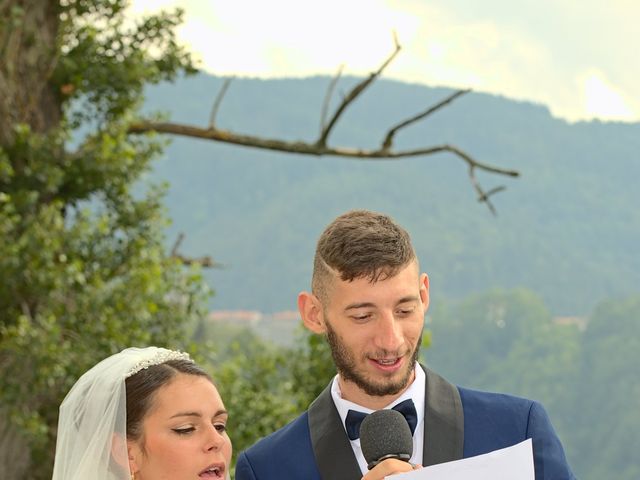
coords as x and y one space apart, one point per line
511 463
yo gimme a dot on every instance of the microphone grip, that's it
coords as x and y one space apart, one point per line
398 456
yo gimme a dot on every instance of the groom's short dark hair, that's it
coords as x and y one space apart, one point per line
360 244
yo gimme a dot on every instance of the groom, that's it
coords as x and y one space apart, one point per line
369 300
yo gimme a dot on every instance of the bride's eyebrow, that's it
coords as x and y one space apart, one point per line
186 414
197 414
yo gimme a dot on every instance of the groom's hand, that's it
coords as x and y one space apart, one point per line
389 467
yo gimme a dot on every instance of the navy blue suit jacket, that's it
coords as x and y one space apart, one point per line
459 423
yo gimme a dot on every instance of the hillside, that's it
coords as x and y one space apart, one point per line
567 229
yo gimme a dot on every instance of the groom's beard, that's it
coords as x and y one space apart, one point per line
345 361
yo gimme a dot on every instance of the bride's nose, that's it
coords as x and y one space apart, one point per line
215 439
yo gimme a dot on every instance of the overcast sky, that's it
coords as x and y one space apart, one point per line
581 58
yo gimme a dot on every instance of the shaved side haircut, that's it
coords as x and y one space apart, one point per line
360 244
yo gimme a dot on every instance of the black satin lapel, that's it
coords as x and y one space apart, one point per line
444 421
332 449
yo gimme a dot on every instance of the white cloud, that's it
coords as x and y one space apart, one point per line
534 50
293 38
604 100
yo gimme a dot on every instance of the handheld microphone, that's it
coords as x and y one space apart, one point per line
385 434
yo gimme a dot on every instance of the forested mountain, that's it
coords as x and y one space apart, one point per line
568 228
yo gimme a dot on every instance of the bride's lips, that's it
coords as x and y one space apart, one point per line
215 470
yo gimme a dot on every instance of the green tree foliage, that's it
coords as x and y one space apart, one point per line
486 327
609 391
263 386
82 256
586 377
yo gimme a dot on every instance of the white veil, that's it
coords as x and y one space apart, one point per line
92 423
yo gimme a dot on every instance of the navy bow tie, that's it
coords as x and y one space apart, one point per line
354 418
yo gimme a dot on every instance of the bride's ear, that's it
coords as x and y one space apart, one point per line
123 453
133 453
119 450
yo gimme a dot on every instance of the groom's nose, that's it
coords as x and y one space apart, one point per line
389 336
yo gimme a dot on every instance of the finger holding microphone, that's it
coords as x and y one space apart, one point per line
389 467
387 444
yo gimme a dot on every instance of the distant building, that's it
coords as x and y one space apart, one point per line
286 316
580 322
249 316
253 316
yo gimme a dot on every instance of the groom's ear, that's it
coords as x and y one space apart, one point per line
311 312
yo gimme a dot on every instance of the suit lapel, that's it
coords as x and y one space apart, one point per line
443 430
443 421
331 448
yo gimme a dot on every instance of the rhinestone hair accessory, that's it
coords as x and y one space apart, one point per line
160 356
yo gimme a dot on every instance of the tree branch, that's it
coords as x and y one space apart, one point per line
305 148
483 197
320 147
354 93
205 261
327 99
218 101
388 141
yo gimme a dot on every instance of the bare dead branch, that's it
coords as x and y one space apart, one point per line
305 148
320 147
483 197
218 101
495 190
205 261
327 98
176 245
354 93
388 141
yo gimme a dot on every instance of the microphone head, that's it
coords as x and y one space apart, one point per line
385 434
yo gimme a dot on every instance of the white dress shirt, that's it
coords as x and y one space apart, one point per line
414 392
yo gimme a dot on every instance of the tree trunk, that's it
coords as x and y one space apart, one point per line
14 450
28 56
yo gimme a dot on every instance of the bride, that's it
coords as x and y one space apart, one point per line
143 414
